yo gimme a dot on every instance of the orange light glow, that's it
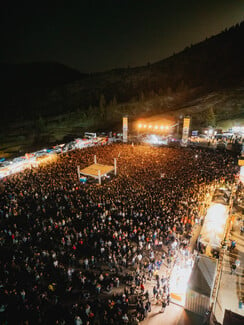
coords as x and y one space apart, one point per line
145 125
156 127
139 126
161 127
150 126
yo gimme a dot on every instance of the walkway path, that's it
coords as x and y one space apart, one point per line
173 314
231 288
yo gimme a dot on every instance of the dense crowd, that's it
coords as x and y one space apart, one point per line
74 253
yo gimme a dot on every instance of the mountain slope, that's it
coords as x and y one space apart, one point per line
36 75
48 90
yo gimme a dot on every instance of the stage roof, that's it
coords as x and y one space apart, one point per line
93 170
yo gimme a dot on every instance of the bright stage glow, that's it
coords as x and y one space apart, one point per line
180 276
153 125
154 139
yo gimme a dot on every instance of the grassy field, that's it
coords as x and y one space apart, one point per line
21 139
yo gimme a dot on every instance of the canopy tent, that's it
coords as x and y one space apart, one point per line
97 171
213 229
94 169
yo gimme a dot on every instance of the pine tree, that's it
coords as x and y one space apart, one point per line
210 117
102 107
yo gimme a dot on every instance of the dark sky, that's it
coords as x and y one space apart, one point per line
96 35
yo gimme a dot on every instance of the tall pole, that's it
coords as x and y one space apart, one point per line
78 171
95 159
115 166
178 128
99 177
125 129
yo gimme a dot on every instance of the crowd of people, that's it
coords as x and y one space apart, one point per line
75 253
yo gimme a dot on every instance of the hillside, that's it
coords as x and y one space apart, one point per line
37 74
208 74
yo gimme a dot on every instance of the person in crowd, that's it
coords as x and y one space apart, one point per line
164 304
233 268
64 243
232 245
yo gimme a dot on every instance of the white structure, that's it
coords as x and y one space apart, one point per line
98 170
201 284
185 130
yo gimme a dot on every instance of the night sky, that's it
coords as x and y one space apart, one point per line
96 35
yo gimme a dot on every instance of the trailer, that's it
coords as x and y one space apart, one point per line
201 284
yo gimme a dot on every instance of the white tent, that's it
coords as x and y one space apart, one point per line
214 226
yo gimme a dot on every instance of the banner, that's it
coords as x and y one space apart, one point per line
125 129
185 131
